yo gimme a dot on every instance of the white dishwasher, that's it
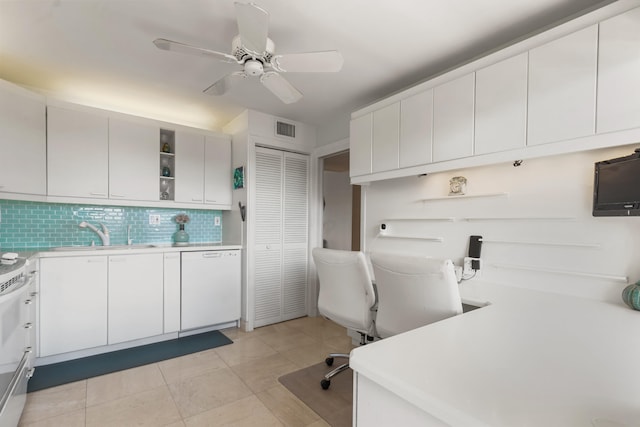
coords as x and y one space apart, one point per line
210 288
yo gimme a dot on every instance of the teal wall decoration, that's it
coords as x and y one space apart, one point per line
238 178
34 225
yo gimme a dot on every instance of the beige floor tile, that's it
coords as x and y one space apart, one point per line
208 391
244 350
287 408
319 423
70 419
282 327
341 344
317 327
55 401
263 373
150 408
179 368
286 340
248 412
176 424
234 333
309 355
119 384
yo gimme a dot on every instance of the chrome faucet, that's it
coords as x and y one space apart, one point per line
104 234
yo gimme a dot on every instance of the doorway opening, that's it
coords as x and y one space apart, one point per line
341 204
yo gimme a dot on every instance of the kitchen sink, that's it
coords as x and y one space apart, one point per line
100 248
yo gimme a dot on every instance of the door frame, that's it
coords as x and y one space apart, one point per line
316 168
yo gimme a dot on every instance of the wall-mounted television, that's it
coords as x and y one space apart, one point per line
616 187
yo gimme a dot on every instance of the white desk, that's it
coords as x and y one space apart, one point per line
528 359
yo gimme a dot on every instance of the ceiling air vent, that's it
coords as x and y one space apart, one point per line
285 129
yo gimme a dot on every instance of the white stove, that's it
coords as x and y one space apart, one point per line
17 337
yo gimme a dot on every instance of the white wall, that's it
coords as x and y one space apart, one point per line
336 227
548 205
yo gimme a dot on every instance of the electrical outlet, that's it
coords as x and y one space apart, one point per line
216 221
467 268
154 219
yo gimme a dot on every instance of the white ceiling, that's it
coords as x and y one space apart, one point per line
100 52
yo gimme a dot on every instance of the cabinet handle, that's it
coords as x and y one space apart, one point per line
171 256
117 259
95 260
28 325
194 199
116 195
211 255
99 194
28 301
33 294
211 201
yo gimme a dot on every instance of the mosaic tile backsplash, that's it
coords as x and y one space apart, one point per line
44 225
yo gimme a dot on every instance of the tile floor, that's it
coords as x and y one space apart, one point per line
233 385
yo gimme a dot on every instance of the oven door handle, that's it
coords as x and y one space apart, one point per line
17 377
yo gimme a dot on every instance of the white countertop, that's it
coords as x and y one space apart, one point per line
123 249
527 359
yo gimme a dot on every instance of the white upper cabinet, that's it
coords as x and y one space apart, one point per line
453 119
562 88
360 138
23 161
133 160
619 73
189 173
77 153
416 129
217 170
501 106
386 138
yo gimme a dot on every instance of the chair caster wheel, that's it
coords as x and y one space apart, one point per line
325 384
329 361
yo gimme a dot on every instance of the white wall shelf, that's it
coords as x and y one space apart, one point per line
446 219
624 279
533 243
425 238
531 218
464 196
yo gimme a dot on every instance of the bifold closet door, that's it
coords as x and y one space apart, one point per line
281 236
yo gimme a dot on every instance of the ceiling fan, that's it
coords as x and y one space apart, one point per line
255 52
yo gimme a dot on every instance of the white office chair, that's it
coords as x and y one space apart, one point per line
413 291
346 296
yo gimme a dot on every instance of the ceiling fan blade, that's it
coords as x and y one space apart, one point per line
172 46
253 26
280 87
324 62
224 84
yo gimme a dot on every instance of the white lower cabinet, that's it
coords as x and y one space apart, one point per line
135 297
171 292
73 304
210 288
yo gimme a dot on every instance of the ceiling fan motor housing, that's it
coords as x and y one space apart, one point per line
253 67
242 54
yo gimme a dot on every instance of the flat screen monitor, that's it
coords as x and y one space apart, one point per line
616 188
